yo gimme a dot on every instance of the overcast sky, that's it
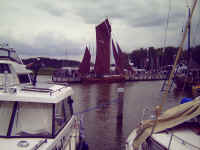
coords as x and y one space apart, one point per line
62 28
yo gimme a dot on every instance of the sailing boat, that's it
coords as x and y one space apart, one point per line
187 76
176 128
102 70
66 74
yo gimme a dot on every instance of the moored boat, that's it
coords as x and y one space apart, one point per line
66 75
104 79
102 69
35 116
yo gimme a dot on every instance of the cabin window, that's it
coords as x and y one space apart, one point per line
4 67
5 116
33 119
23 78
62 115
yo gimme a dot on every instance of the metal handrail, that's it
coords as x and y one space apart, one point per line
182 141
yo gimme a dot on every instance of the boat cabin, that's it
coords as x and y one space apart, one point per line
12 71
9 54
41 112
34 111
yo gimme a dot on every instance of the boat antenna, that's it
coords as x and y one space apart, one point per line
197 27
177 58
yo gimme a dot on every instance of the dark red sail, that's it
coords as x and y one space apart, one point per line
123 60
115 53
103 34
84 67
118 68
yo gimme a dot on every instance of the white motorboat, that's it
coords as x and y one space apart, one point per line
34 116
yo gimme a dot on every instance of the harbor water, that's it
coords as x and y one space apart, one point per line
99 106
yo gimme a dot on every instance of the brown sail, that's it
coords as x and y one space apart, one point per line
102 73
115 54
84 67
103 35
123 60
118 68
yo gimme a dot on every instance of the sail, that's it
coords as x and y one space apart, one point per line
115 53
118 68
103 35
85 64
123 60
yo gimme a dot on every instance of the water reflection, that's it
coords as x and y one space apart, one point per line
103 101
119 125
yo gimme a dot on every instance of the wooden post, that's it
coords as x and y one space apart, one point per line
120 103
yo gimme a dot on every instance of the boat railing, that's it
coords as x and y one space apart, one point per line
148 112
42 90
182 141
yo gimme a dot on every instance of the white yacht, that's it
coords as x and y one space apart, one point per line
34 116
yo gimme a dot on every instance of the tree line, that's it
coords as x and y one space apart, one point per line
157 58
52 63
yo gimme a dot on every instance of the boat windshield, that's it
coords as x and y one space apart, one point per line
33 119
5 111
10 54
26 119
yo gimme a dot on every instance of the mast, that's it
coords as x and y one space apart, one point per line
189 36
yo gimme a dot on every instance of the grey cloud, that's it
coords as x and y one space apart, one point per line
48 18
45 44
52 9
133 13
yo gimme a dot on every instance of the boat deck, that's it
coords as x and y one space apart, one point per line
41 93
184 137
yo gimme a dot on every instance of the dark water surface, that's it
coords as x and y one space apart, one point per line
99 104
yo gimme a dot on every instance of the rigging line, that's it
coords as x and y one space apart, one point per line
167 24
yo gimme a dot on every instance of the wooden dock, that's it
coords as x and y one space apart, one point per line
147 77
129 78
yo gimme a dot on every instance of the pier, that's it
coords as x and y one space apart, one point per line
147 77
